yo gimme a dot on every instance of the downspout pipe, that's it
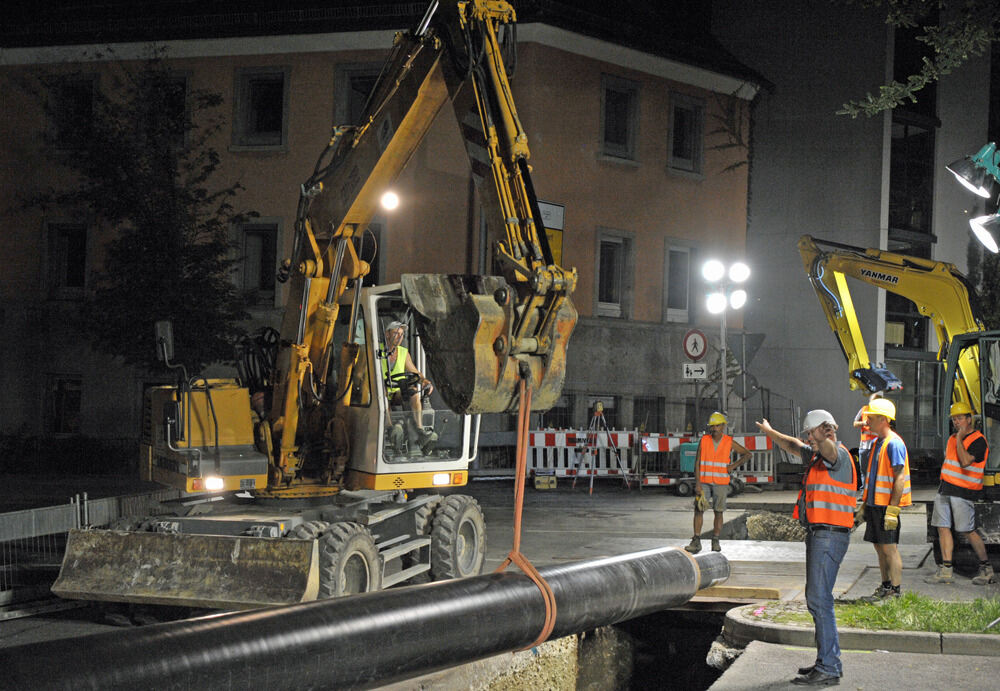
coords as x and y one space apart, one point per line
366 640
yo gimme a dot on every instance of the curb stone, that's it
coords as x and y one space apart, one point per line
741 627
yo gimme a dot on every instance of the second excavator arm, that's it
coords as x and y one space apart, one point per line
940 292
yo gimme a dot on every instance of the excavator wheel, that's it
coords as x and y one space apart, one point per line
458 540
349 562
424 523
310 530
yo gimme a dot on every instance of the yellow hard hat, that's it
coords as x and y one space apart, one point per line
882 406
717 419
960 408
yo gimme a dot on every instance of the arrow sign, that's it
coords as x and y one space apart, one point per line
694 370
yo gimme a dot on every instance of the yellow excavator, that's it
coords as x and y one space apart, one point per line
969 353
295 478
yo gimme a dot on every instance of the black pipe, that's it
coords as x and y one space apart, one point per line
365 640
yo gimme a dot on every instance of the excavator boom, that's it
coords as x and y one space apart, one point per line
940 292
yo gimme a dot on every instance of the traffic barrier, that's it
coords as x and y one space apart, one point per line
568 453
665 472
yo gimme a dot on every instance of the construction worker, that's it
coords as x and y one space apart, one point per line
861 422
828 496
711 471
961 485
398 362
886 492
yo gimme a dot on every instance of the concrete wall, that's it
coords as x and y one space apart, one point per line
822 174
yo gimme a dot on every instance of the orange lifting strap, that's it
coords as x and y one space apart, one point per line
515 556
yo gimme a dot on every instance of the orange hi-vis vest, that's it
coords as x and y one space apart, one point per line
714 460
867 434
883 475
827 500
952 472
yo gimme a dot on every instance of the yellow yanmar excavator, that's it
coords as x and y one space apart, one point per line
969 353
294 477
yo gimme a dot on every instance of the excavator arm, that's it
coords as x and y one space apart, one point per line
482 333
940 292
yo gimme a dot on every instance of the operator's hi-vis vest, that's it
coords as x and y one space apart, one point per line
397 368
883 475
952 472
866 434
827 500
714 460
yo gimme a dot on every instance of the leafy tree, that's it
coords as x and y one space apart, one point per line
144 165
963 30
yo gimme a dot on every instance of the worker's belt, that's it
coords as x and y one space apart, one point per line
834 528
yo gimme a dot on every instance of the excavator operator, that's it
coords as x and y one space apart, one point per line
405 383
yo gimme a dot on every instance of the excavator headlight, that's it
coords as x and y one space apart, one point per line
214 483
441 479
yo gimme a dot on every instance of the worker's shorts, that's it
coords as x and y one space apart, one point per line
874 527
716 495
954 512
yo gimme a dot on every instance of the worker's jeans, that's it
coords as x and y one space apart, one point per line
825 549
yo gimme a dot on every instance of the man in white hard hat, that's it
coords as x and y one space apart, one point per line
712 466
826 507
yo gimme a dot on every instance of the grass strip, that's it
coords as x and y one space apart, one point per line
910 612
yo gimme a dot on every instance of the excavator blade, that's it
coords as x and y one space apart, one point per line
465 323
216 571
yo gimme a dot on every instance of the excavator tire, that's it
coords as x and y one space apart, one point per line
310 530
458 540
424 524
349 562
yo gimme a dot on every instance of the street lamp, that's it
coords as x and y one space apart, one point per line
971 171
726 294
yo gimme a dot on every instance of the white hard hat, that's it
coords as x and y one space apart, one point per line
815 418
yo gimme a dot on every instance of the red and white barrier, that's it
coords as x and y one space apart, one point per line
758 470
568 453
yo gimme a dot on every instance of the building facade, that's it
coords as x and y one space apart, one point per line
870 182
638 156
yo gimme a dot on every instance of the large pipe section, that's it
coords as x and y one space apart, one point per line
366 640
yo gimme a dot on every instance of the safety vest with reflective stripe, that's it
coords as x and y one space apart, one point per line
827 500
867 434
952 472
714 460
397 368
883 474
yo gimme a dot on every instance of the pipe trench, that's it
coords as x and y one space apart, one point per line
366 640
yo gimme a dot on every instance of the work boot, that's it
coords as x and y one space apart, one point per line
397 435
716 547
426 441
985 575
943 575
695 545
881 593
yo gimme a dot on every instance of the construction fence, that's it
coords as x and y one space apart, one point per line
32 541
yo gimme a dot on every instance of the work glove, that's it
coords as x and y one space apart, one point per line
859 514
700 502
891 521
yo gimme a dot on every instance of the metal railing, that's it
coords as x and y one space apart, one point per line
32 541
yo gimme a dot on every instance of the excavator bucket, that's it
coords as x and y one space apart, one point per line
216 571
466 324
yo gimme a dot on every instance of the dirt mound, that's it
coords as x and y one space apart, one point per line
774 526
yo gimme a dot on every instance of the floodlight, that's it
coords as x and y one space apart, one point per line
713 271
737 299
716 303
739 272
985 228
